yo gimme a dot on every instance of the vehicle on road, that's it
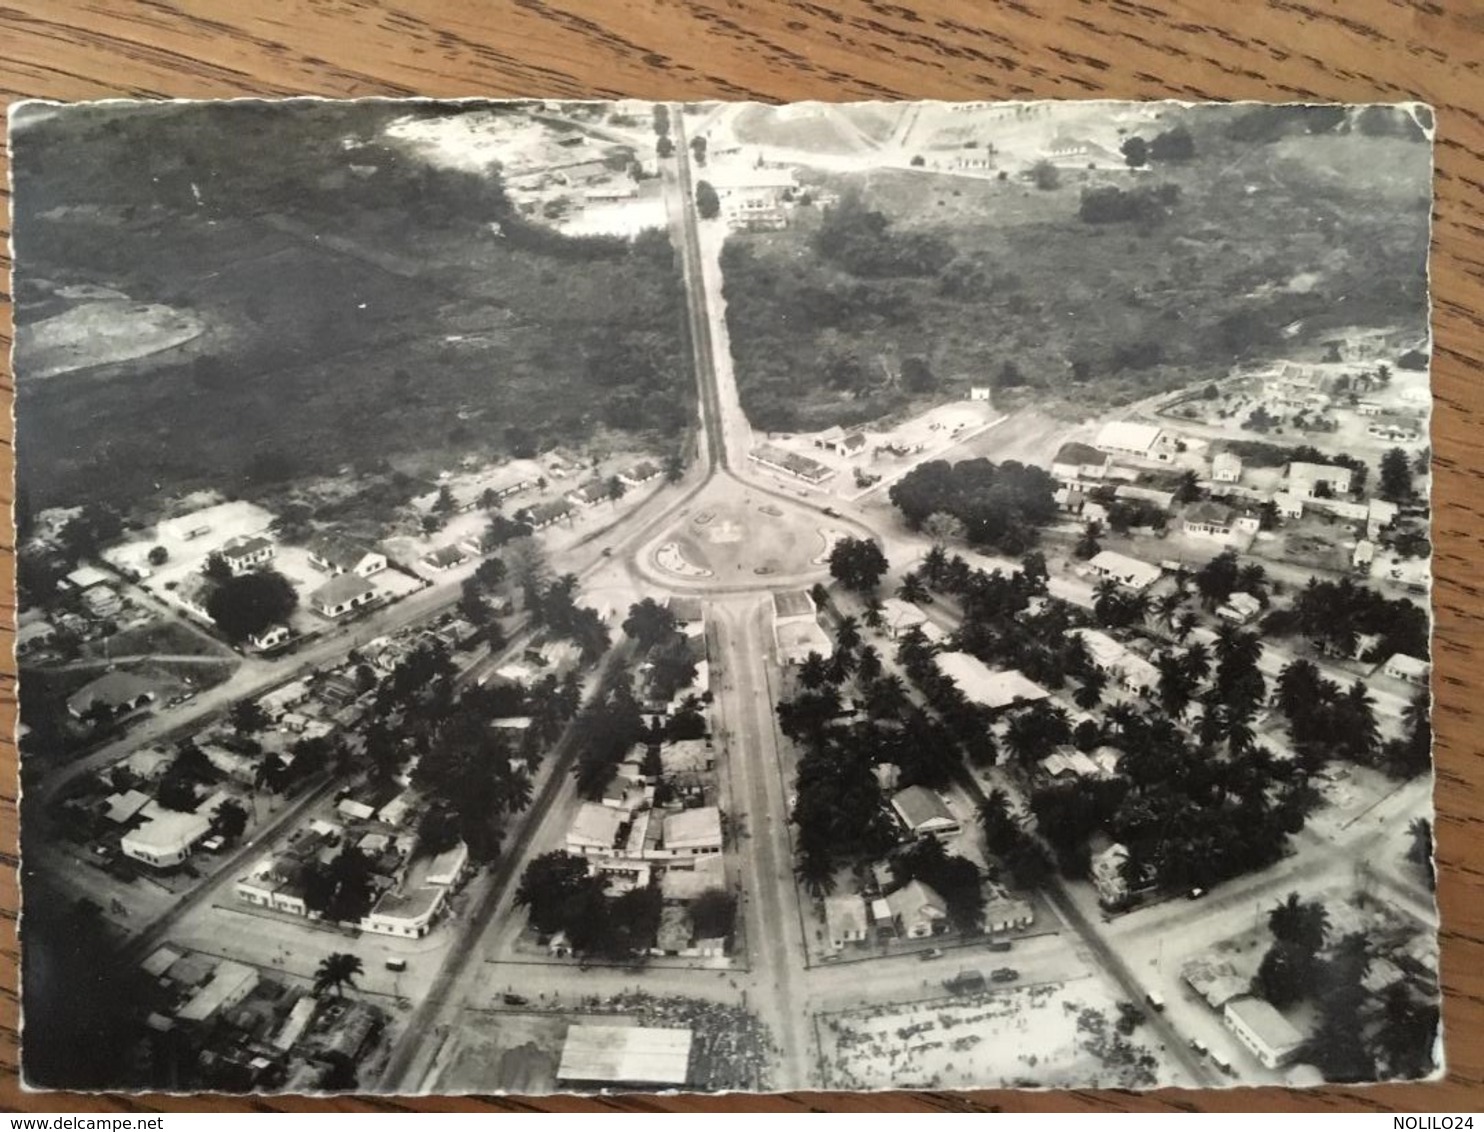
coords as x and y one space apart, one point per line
998 945
515 1000
832 513
607 552
396 964
1004 975
931 953
1199 1046
967 981
1195 893
1223 1064
1156 1000
214 844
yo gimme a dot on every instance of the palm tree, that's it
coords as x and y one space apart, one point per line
1182 626
813 673
337 971
886 696
1168 605
1360 718
868 665
1090 694
912 589
1175 690
513 786
1295 921
816 872
873 616
848 634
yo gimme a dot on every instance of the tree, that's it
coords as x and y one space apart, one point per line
708 204
857 563
246 604
1302 924
445 502
943 528
1420 850
1172 145
1284 975
1135 152
848 634
1188 490
649 623
1396 476
698 149
1088 545
337 971
1045 175
248 717
229 820
713 913
548 887
912 590
917 375
664 147
158 556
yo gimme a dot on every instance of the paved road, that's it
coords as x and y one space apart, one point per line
770 907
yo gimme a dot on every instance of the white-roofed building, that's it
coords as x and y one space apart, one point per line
594 831
846 920
1400 666
796 628
167 836
1226 467
995 689
1307 481
1134 573
1272 1038
751 197
601 1056
692 833
924 813
1129 438
899 616
230 983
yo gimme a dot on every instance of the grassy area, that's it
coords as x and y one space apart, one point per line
1268 245
359 304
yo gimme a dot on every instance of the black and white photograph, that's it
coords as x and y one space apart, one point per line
526 597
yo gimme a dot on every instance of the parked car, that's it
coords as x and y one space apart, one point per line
1004 975
930 953
514 1000
1156 1000
396 964
998 945
1199 1046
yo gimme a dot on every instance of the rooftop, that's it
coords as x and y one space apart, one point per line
339 550
1263 1021
984 685
341 588
596 825
113 688
793 603
626 1055
699 827
918 805
1127 436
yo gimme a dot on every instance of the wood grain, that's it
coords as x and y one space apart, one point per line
1325 50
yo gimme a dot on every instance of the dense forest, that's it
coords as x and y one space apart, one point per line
364 308
1261 231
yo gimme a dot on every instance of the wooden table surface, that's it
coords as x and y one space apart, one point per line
1279 50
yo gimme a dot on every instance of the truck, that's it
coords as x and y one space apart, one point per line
967 981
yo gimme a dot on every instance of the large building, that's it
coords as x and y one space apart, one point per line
994 688
796 628
1134 573
1140 441
167 837
118 692
924 813
1272 1038
1313 481
601 1056
342 594
752 197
